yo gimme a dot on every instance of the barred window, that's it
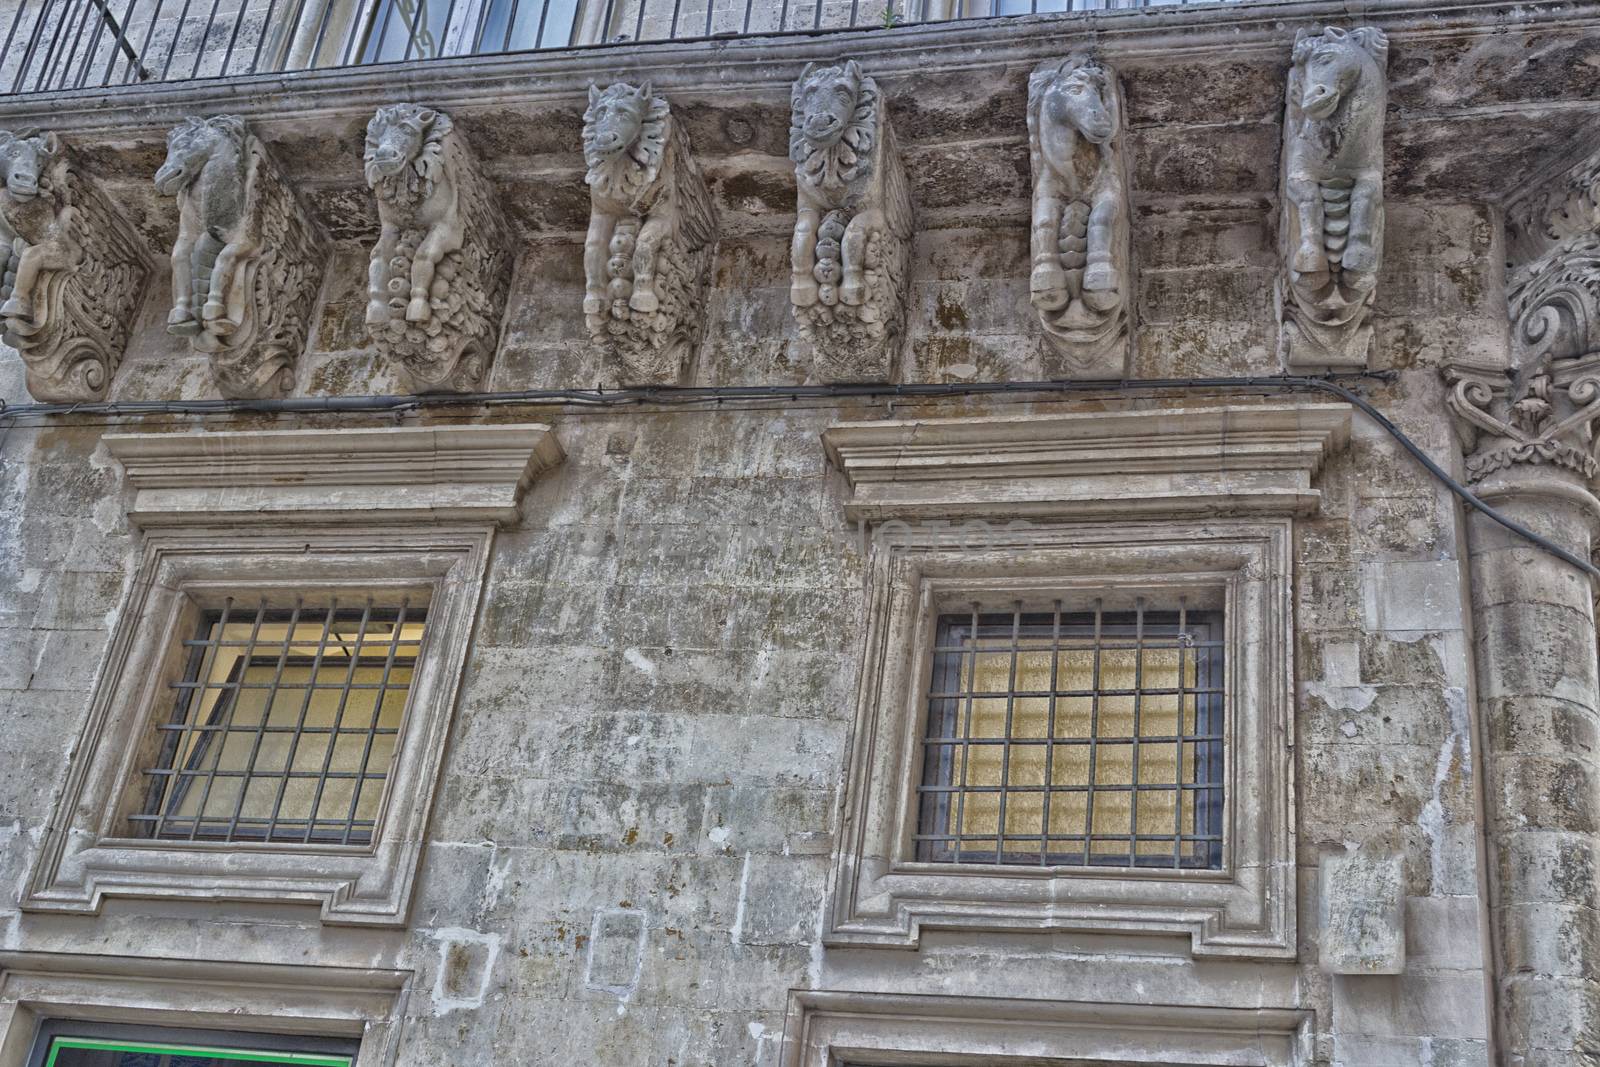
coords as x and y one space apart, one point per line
1088 738
284 724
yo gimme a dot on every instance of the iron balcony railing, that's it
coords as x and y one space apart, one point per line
56 45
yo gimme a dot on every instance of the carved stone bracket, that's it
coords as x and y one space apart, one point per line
442 266
652 224
1331 234
249 257
852 238
73 271
1082 263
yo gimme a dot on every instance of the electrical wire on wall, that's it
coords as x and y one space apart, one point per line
719 396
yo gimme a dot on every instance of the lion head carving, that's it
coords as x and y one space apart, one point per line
404 155
624 139
831 125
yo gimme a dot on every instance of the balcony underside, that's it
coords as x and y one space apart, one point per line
1483 97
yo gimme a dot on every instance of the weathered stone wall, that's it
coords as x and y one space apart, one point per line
628 853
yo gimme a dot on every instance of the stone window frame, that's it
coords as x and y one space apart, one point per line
1075 500
880 894
390 512
850 1029
307 1000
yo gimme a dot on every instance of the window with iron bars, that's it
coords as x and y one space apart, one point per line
1075 738
284 724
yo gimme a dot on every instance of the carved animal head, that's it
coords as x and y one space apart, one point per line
191 144
824 103
832 123
405 135
1331 65
1077 94
24 158
624 138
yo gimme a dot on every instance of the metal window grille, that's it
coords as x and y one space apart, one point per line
1075 739
284 724
66 45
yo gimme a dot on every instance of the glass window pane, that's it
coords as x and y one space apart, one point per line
1075 738
280 714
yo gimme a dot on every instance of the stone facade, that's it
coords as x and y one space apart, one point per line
649 834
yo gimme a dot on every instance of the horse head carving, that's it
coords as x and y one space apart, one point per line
24 159
832 117
404 150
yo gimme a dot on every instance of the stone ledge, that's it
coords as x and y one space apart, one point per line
1233 459
336 475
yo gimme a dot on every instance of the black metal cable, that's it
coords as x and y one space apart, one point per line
674 395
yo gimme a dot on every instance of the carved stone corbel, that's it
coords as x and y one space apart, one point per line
72 272
1082 263
249 257
852 237
1331 233
442 266
652 223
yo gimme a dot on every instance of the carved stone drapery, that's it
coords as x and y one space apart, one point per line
852 238
249 257
652 222
1082 269
442 266
73 272
1331 233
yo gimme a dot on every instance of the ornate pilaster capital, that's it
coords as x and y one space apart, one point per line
1542 417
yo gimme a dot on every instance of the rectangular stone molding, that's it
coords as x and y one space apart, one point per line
1361 913
833 1029
880 894
1236 459
364 1003
390 514
450 473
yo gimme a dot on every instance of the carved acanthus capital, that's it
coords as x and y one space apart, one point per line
1082 261
441 268
1543 416
249 257
852 238
1331 234
1546 215
652 223
72 272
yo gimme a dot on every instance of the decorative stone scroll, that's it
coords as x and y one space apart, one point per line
72 273
852 236
1331 235
652 222
1082 273
1542 411
1543 415
442 265
249 257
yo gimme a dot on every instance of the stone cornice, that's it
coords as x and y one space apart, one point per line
737 67
346 475
1234 459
